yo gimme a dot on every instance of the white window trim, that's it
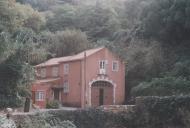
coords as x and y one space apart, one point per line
43 75
37 72
55 71
66 87
115 70
40 98
105 63
66 69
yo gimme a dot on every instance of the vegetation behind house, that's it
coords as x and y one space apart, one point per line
151 35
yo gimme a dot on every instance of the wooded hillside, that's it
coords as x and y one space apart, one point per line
151 35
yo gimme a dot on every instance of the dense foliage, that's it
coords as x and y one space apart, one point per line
167 20
150 112
175 82
151 35
17 49
54 104
160 112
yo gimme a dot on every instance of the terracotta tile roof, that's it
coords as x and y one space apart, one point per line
47 80
79 56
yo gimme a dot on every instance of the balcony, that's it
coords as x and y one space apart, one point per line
102 72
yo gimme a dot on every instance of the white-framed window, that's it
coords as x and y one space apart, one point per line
37 72
115 66
66 68
43 72
55 71
66 87
40 95
102 64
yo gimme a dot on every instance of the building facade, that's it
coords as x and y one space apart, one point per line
91 78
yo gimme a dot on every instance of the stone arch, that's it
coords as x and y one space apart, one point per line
103 79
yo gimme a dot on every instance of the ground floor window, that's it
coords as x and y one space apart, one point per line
66 87
40 96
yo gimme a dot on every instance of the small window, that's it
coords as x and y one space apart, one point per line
103 64
37 72
40 96
66 87
43 72
66 68
55 71
115 66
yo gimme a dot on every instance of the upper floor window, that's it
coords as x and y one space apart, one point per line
102 64
37 72
43 72
39 96
55 71
115 66
66 87
66 68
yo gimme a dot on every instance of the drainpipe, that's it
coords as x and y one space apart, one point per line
85 88
81 82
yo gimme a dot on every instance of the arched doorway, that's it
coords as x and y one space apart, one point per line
102 93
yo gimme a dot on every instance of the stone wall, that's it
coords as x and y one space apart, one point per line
92 118
149 112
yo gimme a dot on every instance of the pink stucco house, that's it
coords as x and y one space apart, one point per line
88 79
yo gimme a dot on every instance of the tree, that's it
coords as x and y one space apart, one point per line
14 15
98 22
40 5
166 20
8 16
29 17
4 44
67 42
64 16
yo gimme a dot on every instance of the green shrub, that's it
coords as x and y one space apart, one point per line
10 101
152 112
159 112
165 86
67 124
54 104
174 82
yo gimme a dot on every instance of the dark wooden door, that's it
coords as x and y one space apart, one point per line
101 96
56 94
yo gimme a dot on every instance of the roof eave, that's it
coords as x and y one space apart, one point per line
45 65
